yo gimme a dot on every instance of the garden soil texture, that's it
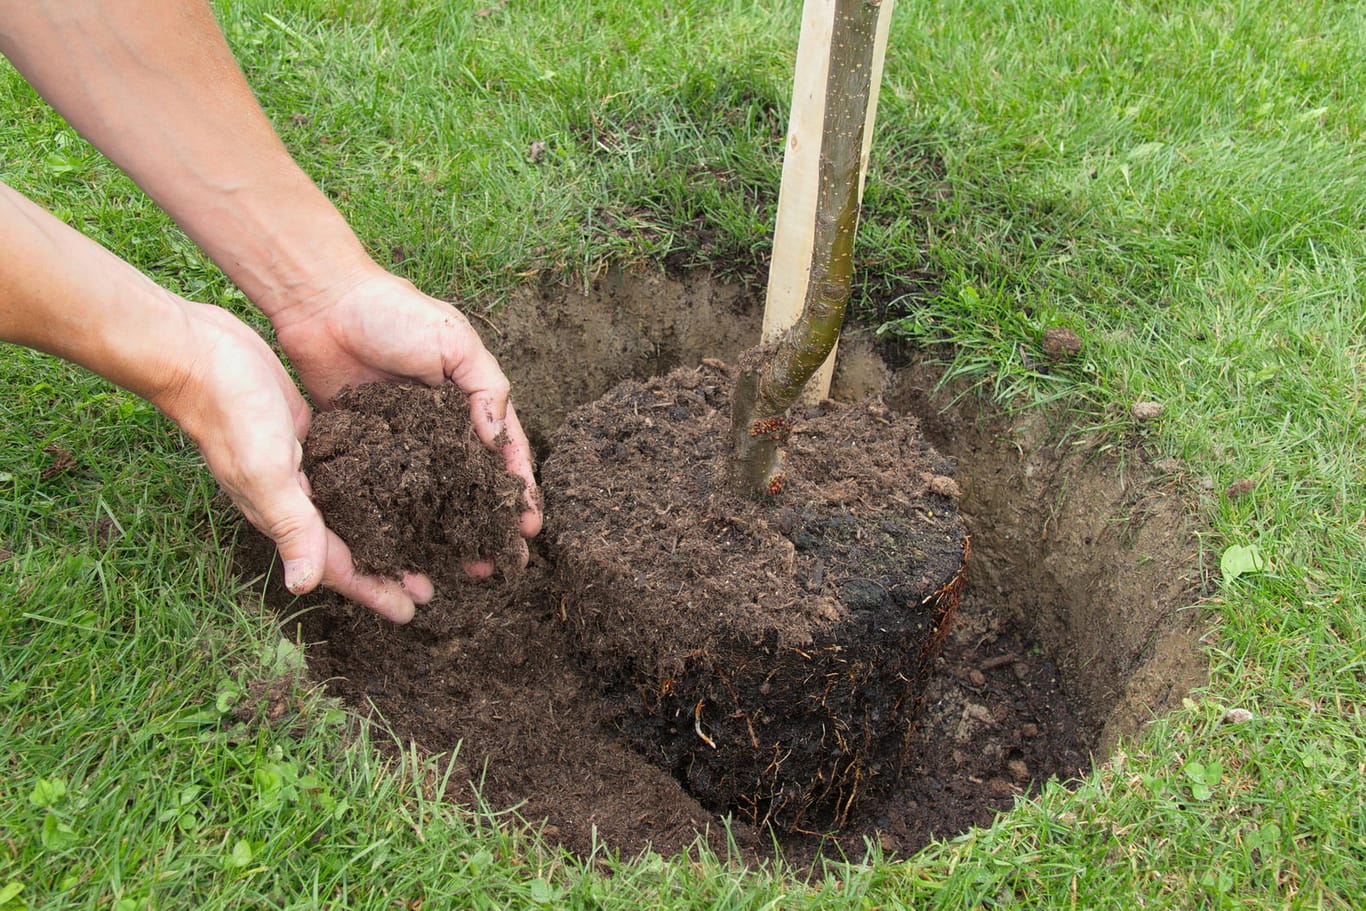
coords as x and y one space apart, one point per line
552 704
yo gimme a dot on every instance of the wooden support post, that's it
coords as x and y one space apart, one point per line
842 48
794 234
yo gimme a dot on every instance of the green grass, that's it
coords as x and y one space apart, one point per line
1180 183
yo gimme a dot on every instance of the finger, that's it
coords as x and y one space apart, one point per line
488 413
475 371
517 459
295 525
385 597
418 587
478 569
299 413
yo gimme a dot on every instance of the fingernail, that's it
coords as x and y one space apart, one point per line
298 575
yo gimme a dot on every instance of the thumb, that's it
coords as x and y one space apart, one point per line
297 528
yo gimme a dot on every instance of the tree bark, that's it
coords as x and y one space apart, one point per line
764 392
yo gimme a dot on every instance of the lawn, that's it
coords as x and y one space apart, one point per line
1179 182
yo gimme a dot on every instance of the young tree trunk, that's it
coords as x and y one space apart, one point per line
796 222
767 389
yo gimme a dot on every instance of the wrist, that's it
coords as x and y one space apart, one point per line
278 237
303 280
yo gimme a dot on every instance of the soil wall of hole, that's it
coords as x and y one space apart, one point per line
1073 630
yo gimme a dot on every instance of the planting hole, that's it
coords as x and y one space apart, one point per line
1070 635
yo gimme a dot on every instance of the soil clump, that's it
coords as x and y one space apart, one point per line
771 654
398 471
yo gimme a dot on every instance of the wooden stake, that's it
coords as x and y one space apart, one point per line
794 233
814 247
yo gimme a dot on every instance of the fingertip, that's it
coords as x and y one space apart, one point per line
478 569
530 522
386 597
398 612
301 577
300 536
418 587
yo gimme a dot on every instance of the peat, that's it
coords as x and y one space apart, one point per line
1075 619
399 473
771 655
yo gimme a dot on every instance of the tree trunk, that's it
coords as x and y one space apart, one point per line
767 389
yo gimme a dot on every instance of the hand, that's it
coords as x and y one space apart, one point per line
243 411
382 328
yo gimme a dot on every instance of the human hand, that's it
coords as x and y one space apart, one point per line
242 410
381 328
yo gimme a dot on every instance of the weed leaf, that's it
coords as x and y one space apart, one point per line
1239 560
241 854
55 834
47 792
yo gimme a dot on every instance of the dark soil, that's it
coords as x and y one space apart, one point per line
1072 630
772 655
487 670
400 474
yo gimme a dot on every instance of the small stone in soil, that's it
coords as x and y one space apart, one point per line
1060 343
999 787
1147 411
943 485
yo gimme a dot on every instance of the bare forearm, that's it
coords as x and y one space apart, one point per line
63 294
154 86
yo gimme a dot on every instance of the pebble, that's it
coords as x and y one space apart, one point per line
999 787
1018 770
1147 411
977 678
1060 342
1029 729
944 486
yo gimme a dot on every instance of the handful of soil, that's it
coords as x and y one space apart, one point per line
399 473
